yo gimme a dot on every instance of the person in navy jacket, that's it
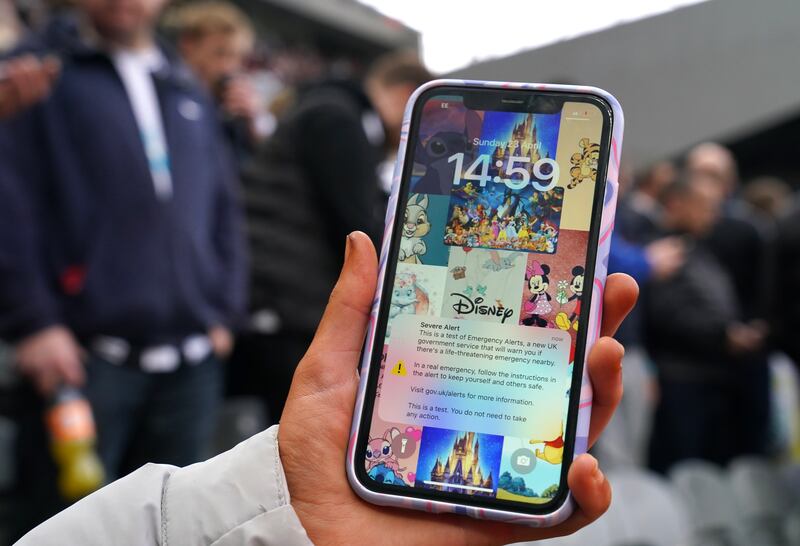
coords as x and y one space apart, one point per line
122 254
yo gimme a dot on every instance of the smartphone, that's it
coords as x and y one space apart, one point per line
473 397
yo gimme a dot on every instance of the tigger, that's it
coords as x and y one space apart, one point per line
584 163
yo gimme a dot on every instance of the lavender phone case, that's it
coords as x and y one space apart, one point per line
601 269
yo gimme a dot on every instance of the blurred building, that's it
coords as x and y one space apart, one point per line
335 29
726 70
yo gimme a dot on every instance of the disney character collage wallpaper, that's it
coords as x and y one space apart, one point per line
495 228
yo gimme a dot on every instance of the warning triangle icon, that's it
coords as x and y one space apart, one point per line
399 368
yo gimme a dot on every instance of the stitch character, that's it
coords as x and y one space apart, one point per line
379 452
433 155
383 475
415 226
584 163
576 285
539 302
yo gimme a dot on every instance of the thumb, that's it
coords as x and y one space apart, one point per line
342 328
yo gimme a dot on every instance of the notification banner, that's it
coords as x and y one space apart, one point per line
483 377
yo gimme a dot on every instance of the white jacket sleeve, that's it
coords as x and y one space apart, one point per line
237 498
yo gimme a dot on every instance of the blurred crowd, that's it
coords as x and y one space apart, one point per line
714 262
170 199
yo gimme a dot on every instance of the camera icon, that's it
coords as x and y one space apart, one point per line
523 461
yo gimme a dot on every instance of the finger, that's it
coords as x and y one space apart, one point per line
52 66
25 79
46 381
16 80
40 82
590 489
592 494
9 94
72 372
605 372
345 320
34 78
620 296
37 77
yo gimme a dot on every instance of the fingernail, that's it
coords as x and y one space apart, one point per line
347 246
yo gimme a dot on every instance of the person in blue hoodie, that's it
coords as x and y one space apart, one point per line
122 252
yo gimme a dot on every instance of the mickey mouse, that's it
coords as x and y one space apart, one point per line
576 285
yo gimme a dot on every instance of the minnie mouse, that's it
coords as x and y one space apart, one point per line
539 302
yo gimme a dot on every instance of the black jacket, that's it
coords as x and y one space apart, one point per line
314 182
741 249
687 317
785 299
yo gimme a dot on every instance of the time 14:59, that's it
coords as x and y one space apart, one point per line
545 172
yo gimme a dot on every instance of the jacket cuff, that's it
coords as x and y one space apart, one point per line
26 320
238 497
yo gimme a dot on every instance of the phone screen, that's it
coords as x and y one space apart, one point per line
485 301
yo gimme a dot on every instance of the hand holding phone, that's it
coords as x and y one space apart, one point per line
473 396
314 428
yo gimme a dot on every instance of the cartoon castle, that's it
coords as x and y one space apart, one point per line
462 467
521 143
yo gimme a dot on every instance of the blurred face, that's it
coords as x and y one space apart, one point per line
662 175
122 21
715 162
697 210
390 103
700 207
213 56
